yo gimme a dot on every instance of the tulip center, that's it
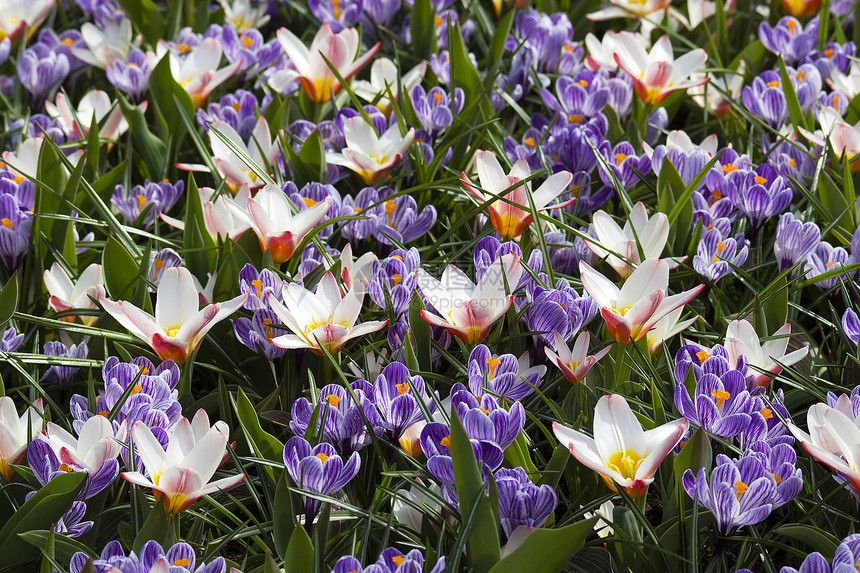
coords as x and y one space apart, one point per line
380 159
402 388
493 364
322 457
622 311
7 223
172 331
258 284
446 441
184 562
721 397
741 487
625 462
573 365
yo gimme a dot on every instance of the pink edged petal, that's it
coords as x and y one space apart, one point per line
660 442
794 357
602 290
360 62
669 304
561 365
490 173
366 328
642 311
290 342
196 328
584 450
564 353
207 453
619 328
500 279
137 478
222 484
179 303
181 488
132 318
294 49
651 275
616 428
435 319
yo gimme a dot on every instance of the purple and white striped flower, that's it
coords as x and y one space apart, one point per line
154 198
71 523
248 47
436 109
789 38
15 226
159 262
521 502
844 559
850 325
93 452
738 492
152 558
42 70
823 259
505 375
716 256
131 76
390 561
258 331
780 460
318 469
577 99
11 340
486 419
344 419
759 194
259 285
721 405
238 109
394 283
396 395
795 241
58 374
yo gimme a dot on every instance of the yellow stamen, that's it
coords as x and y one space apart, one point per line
137 388
621 311
702 356
141 201
493 363
183 48
767 413
7 223
835 102
720 247
322 457
829 53
258 284
830 264
402 388
398 560
530 141
309 202
390 207
759 180
333 400
741 487
721 396
575 118
172 331
792 24
247 41
269 334
66 468
626 463
236 106
396 278
18 179
792 162
184 562
583 83
729 168
70 42
446 441
773 84
619 157
776 477
437 96
104 413
800 75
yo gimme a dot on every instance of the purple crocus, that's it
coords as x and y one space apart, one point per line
339 14
154 198
318 469
826 258
239 110
738 492
345 426
765 99
521 502
716 256
577 99
402 222
504 376
177 559
760 193
398 396
436 445
780 461
486 419
544 34
257 332
58 374
314 193
436 109
721 405
249 48
850 325
624 163
259 285
11 340
561 310
159 262
767 422
795 241
132 76
15 226
71 524
390 561
789 38
42 70
393 277
366 205
844 559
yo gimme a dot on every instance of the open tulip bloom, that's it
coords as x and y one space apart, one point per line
622 453
574 363
68 295
370 154
178 326
742 340
15 431
507 215
321 319
631 311
657 73
181 472
468 310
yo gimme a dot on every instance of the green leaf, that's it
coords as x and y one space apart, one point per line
299 557
794 111
146 17
482 544
283 516
40 512
152 149
8 300
64 547
421 334
312 155
814 538
422 26
155 528
547 550
263 443
120 270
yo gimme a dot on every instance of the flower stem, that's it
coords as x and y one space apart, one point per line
621 369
